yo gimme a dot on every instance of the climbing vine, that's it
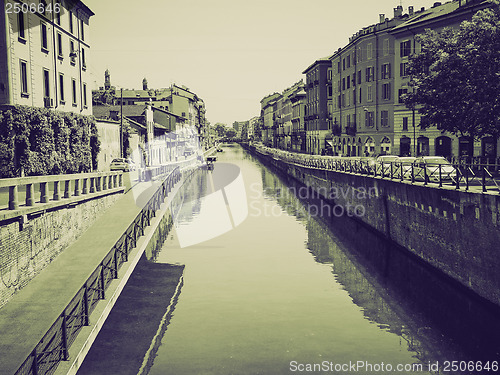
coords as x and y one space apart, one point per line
39 141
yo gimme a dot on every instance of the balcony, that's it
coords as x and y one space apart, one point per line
336 130
351 129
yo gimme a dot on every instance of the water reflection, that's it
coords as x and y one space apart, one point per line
284 287
438 319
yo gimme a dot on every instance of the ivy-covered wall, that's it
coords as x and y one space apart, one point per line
39 141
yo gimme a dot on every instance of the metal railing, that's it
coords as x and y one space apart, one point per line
55 344
459 175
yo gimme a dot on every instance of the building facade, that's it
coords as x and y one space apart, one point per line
45 56
318 95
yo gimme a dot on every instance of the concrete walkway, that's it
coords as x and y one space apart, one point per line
30 313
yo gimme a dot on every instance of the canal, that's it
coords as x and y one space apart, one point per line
284 285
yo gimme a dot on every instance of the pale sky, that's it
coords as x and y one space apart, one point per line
231 53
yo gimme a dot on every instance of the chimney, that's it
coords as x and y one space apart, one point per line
422 9
398 11
144 84
381 18
436 4
410 10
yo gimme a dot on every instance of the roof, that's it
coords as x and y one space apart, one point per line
428 15
103 111
318 62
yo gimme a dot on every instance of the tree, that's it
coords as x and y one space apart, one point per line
455 77
230 133
220 129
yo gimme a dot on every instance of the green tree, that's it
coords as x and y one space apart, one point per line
220 129
230 133
455 77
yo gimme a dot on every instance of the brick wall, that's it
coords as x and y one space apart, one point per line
27 248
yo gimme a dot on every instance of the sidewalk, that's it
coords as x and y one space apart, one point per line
30 313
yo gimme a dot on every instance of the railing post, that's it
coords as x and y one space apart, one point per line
110 182
101 277
86 320
92 184
13 193
34 364
30 195
43 192
115 255
84 187
66 188
484 178
77 188
457 177
440 176
56 196
64 337
98 183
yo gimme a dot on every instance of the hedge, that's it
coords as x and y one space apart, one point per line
39 141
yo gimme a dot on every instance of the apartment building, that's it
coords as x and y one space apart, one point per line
45 54
318 89
409 137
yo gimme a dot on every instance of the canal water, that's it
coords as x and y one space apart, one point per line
290 289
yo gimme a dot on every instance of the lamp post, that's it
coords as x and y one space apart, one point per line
414 132
121 123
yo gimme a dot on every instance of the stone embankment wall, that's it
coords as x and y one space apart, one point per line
457 232
28 247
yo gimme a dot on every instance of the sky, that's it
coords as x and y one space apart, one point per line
231 53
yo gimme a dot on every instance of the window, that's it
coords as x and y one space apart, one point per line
359 77
386 47
24 78
353 79
348 61
405 48
343 83
59 46
384 118
386 71
85 95
82 30
358 55
369 93
354 96
338 66
20 25
348 82
370 74
46 83
386 91
330 91
72 52
61 87
45 42
84 65
403 68
70 22
360 97
73 92
58 14
369 51
343 63
405 123
343 100
369 119
400 93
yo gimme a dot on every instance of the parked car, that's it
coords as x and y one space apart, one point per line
384 164
406 163
430 166
122 164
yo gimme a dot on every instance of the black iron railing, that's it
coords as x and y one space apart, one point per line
459 175
55 344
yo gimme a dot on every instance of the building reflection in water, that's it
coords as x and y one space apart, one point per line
438 319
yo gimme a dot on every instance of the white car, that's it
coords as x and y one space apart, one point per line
430 168
384 163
